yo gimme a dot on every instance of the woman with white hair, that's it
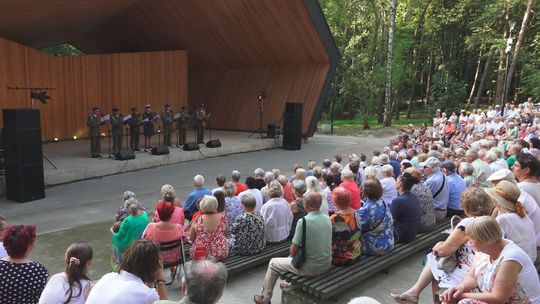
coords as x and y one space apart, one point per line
376 163
277 215
313 184
208 233
131 229
232 203
466 170
388 184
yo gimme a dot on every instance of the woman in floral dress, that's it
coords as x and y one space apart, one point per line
208 233
248 236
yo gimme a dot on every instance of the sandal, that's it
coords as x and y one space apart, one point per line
404 298
284 285
258 299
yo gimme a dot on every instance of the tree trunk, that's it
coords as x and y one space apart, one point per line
430 71
517 49
483 81
500 70
473 87
388 93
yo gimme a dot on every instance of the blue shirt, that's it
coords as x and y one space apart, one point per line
397 167
406 213
377 237
189 206
433 183
457 185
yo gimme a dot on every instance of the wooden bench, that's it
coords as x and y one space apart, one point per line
237 264
342 278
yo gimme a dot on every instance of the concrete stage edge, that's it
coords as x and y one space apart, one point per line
73 162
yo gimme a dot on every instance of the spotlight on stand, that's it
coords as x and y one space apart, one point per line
56 139
40 95
75 137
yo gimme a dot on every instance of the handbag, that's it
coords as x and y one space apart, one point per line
449 263
300 256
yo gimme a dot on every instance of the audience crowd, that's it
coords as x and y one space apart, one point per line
481 169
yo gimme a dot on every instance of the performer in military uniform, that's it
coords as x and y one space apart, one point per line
182 124
93 123
134 129
148 126
200 122
167 118
117 124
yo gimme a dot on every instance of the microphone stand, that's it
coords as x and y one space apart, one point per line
127 138
159 136
109 130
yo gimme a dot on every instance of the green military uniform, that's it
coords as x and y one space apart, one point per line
182 124
200 117
167 118
117 124
134 131
93 122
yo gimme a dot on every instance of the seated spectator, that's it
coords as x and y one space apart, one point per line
247 231
456 186
169 195
346 246
388 184
466 171
3 227
394 162
203 283
481 169
165 231
259 178
139 269
235 178
288 192
358 173
437 183
220 197
377 223
268 177
252 189
123 211
328 186
475 202
348 183
425 198
526 169
21 280
512 217
208 233
500 273
532 208
297 206
513 151
277 215
199 191
131 229
232 203
318 240
220 181
335 170
405 210
491 159
72 285
313 185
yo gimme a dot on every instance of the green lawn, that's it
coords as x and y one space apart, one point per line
402 122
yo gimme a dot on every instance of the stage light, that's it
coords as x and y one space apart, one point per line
75 137
56 139
103 135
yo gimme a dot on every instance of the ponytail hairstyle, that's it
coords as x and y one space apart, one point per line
520 210
77 256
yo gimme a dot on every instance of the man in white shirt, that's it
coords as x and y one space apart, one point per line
252 189
481 169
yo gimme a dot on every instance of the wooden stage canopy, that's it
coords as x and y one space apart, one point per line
183 52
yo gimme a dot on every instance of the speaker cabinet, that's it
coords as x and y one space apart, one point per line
160 150
272 131
214 143
125 154
23 155
192 146
292 126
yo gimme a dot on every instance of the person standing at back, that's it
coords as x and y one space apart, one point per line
93 122
134 129
167 118
117 125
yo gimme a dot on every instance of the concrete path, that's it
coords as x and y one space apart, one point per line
84 211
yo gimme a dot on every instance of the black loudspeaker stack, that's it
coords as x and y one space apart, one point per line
160 150
125 154
273 130
214 143
25 180
292 126
192 146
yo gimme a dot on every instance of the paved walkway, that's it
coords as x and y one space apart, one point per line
84 211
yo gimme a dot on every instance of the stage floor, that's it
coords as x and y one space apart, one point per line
73 162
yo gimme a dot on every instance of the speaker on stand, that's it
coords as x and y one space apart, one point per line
292 126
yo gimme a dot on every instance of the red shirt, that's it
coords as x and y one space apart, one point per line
288 192
355 193
240 188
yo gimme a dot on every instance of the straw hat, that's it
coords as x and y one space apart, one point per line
505 193
502 174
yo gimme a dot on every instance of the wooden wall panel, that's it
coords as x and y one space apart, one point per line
232 95
122 80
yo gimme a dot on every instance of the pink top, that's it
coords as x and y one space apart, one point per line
153 233
176 218
355 193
